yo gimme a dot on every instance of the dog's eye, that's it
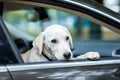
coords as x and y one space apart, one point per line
54 41
67 38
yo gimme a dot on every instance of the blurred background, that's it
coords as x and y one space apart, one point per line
26 24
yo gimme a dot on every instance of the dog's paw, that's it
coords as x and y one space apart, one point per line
92 55
80 57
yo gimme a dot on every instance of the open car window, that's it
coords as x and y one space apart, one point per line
29 18
25 24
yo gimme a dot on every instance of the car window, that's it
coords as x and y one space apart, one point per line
26 24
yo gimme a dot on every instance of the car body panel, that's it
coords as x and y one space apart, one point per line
4 75
71 70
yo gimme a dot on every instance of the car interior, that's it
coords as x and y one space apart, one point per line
26 22
8 46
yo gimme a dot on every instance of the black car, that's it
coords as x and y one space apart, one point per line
92 37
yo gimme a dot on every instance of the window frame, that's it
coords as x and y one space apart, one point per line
77 11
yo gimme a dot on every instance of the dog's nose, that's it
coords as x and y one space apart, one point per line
67 55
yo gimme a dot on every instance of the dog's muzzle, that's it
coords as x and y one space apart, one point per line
67 55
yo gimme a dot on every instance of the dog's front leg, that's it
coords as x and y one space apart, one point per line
89 55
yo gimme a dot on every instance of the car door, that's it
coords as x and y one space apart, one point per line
70 70
6 48
4 74
105 68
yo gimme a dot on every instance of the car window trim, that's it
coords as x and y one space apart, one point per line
57 7
3 68
61 64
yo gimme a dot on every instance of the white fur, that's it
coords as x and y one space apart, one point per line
55 51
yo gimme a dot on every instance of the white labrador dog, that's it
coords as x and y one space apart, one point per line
55 43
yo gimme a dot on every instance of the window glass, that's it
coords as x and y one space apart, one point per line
26 24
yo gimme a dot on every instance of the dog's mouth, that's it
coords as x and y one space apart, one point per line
55 58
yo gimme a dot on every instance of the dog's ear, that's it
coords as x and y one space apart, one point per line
38 43
71 43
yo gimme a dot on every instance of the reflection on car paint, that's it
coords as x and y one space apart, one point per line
69 73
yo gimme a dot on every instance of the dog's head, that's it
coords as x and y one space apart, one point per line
55 42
